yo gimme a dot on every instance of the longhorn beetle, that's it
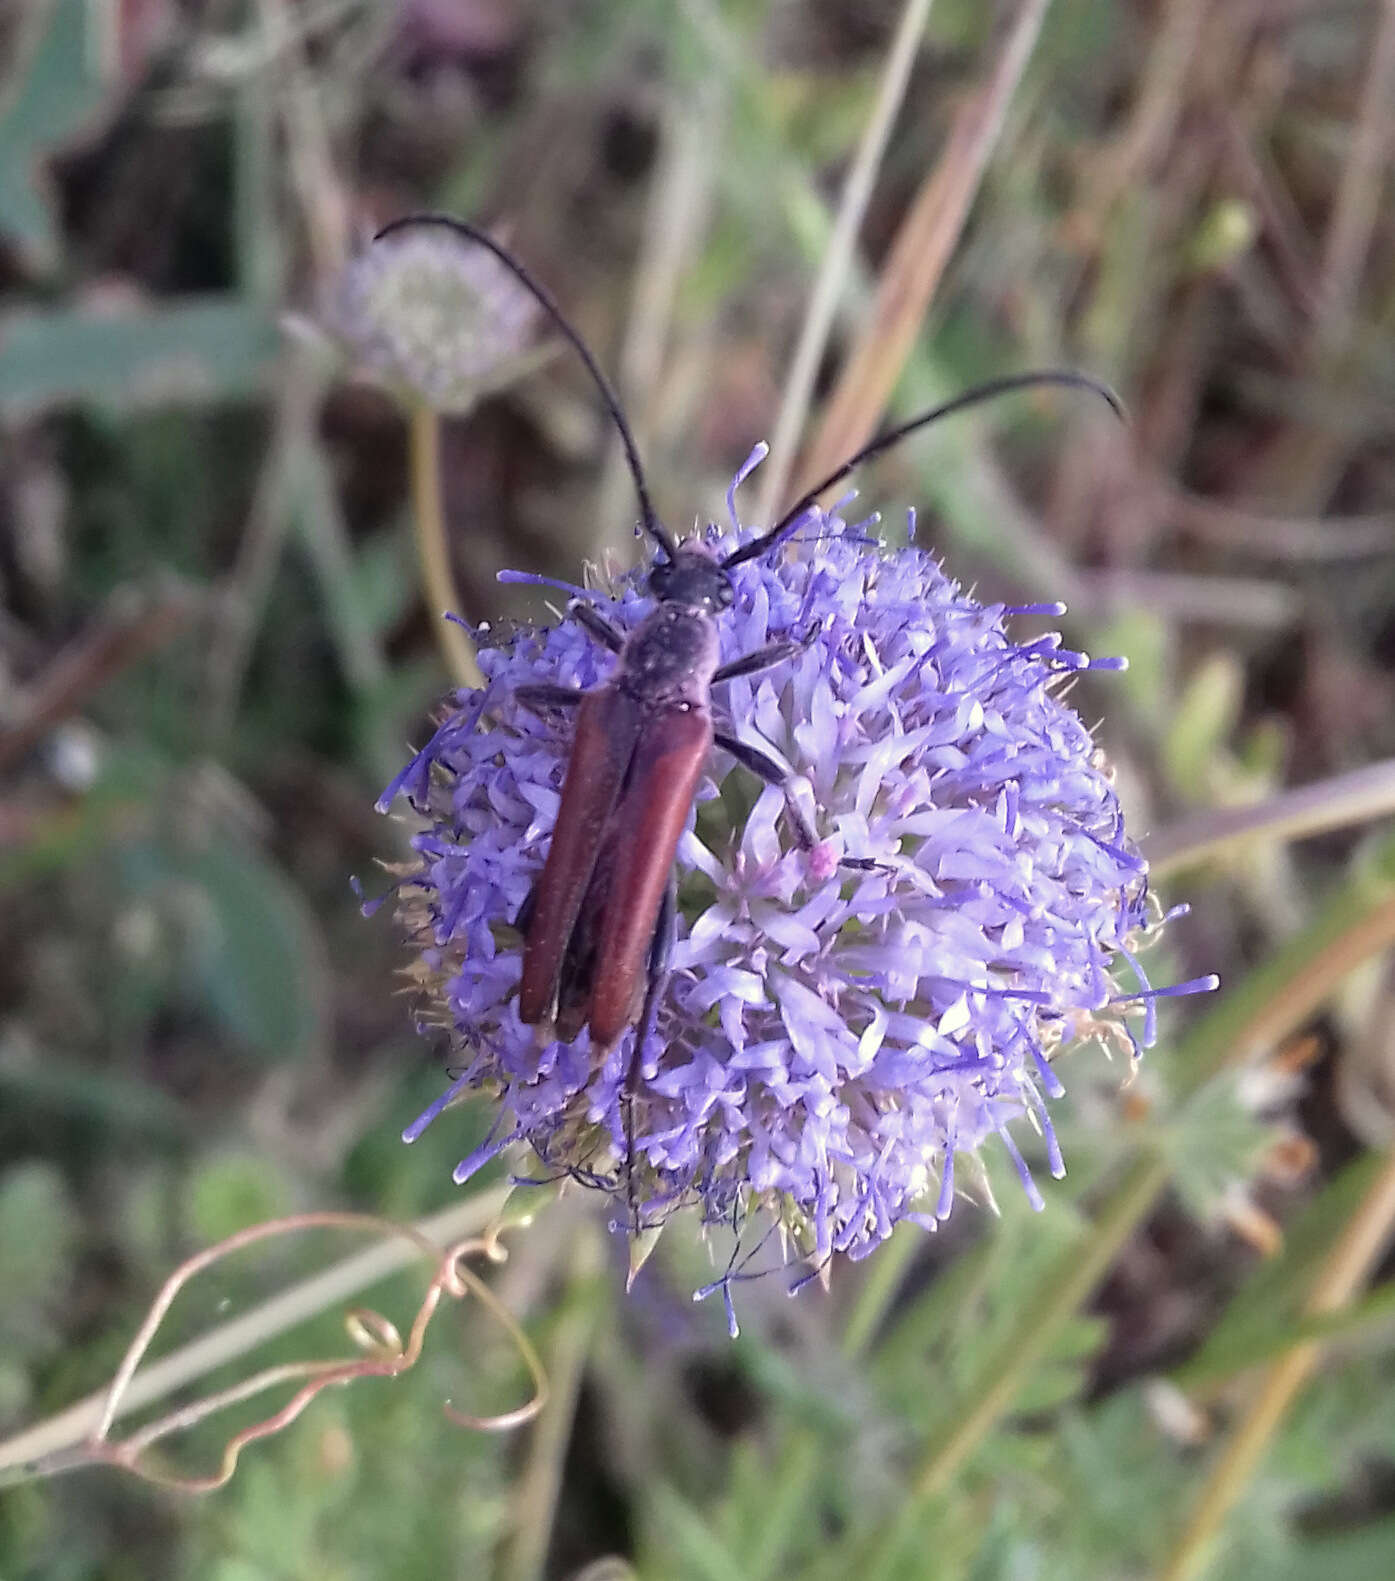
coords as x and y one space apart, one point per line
599 925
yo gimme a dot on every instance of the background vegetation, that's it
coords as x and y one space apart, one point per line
216 652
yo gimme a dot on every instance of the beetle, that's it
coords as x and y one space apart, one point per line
600 924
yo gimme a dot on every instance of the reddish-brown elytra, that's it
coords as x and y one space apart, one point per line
598 928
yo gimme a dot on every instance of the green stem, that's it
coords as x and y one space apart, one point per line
1001 1377
798 1466
540 1484
433 554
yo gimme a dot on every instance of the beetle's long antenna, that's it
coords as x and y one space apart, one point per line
648 516
975 397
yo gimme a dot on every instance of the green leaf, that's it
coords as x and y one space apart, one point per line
692 1548
1212 1143
252 954
202 349
1203 721
1366 1554
53 94
233 1190
262 964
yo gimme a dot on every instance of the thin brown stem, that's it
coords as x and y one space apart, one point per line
242 1334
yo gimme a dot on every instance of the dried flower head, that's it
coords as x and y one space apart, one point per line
830 1039
431 317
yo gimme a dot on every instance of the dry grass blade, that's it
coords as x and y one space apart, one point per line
922 249
1341 1278
1357 205
1357 797
857 189
680 201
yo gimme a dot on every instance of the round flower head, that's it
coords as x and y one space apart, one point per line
832 1035
431 317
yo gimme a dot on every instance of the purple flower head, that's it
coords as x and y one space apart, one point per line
831 1037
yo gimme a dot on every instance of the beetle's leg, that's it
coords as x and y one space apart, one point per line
769 770
596 623
753 758
660 955
765 658
543 694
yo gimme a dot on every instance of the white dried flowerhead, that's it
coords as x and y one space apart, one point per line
431 317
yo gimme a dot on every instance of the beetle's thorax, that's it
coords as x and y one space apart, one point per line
671 657
693 579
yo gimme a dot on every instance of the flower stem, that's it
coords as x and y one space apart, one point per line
429 519
797 1467
1347 1268
536 1500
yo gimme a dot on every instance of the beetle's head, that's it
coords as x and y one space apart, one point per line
693 577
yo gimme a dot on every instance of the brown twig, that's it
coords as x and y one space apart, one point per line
1160 101
1285 538
134 623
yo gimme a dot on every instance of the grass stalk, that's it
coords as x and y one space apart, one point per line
833 270
922 250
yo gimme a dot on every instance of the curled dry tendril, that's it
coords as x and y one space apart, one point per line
384 1354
